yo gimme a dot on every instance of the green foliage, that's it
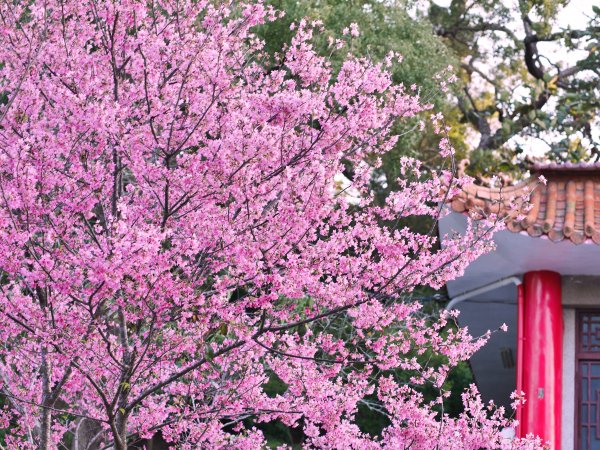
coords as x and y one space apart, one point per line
368 418
371 417
525 79
512 91
384 27
509 94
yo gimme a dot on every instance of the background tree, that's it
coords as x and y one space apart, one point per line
522 79
384 27
171 239
526 77
525 80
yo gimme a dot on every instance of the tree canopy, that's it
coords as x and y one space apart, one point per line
528 73
175 253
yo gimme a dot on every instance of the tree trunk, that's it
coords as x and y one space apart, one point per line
119 430
46 422
46 429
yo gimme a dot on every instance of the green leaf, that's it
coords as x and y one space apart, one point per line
541 124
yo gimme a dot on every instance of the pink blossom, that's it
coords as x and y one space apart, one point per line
172 236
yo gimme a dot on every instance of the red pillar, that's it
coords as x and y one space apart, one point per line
520 321
541 343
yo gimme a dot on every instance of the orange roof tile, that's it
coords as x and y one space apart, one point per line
567 207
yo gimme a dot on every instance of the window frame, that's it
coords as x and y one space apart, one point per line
582 356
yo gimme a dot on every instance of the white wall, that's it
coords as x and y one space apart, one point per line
568 391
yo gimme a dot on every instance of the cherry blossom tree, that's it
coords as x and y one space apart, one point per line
172 237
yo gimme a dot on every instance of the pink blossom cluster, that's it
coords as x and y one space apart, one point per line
171 237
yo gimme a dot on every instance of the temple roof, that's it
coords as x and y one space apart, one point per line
567 207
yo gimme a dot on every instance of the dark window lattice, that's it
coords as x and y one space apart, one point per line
588 381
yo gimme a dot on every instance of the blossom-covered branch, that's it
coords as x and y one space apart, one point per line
172 237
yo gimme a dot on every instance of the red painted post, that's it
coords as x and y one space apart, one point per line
542 356
520 321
